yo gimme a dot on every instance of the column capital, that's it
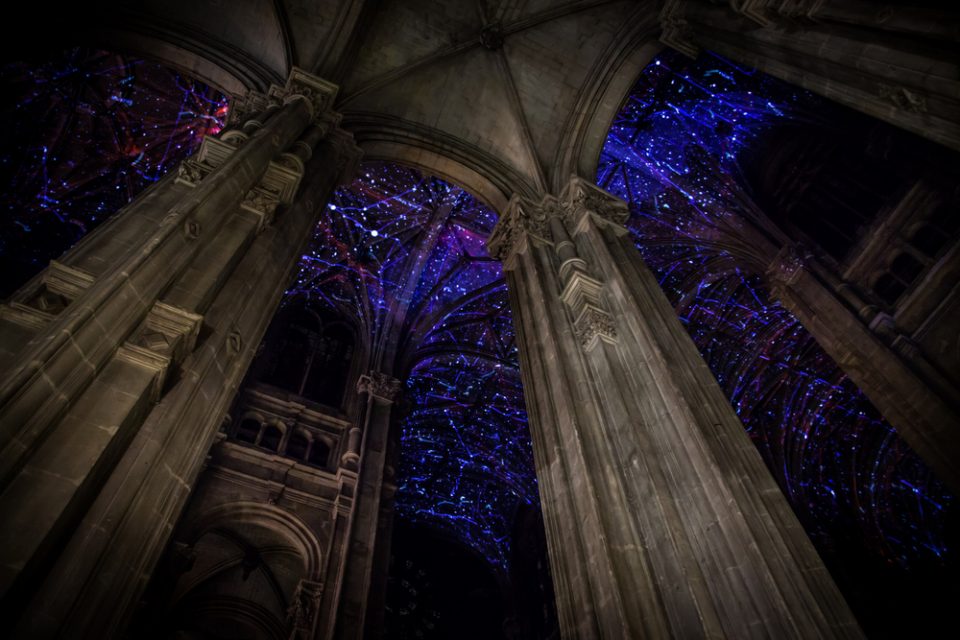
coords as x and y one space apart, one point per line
521 217
319 93
580 196
525 217
787 265
379 385
300 85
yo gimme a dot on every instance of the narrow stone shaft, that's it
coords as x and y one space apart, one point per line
381 391
681 531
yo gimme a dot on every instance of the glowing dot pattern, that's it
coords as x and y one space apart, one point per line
672 154
403 256
83 134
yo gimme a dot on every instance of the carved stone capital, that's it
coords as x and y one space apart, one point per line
524 217
262 203
521 217
787 266
318 93
234 137
379 385
244 106
582 197
190 172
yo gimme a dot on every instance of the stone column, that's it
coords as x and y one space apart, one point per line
895 63
52 370
662 520
381 391
919 402
171 326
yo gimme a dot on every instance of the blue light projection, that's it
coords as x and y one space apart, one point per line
672 154
404 257
83 134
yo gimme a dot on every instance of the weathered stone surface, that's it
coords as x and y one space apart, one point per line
681 530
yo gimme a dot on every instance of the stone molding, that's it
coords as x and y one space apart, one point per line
583 295
593 324
66 280
379 385
60 285
166 336
191 171
522 217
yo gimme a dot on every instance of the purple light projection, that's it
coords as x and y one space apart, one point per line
84 133
672 154
404 257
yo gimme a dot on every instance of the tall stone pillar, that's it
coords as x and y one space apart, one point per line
894 62
109 411
370 455
662 520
